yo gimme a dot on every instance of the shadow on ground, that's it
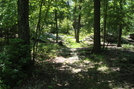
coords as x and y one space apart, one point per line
113 69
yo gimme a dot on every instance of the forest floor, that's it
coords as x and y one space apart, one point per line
78 68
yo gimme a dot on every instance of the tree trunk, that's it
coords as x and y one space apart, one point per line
23 27
105 22
23 24
79 26
97 46
75 22
119 36
74 26
120 26
56 25
37 33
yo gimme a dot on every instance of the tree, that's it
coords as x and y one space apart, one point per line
77 19
97 46
23 27
105 20
75 22
120 26
23 21
56 23
79 23
37 31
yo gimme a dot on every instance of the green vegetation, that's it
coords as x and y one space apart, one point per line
13 63
66 44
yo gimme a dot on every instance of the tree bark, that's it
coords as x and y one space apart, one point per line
23 20
105 22
37 33
56 22
79 26
56 25
97 46
75 22
119 36
24 33
120 26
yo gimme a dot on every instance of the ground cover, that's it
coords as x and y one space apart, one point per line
77 68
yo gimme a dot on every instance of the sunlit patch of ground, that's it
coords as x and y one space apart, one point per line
77 68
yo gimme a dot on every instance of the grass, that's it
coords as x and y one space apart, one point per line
127 46
103 71
71 43
112 69
49 52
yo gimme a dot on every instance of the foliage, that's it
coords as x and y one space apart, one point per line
12 62
8 15
65 25
127 46
46 51
97 71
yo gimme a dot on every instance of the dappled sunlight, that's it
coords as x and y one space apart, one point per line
67 44
92 71
103 69
78 68
75 66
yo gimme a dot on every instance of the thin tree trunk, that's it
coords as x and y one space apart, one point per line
120 26
97 46
56 25
119 36
35 44
75 22
67 30
79 26
79 23
75 30
105 21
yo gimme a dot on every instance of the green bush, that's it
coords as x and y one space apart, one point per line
12 61
66 24
46 51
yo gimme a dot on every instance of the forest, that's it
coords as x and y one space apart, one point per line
66 44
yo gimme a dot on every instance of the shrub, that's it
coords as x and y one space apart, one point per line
12 61
66 24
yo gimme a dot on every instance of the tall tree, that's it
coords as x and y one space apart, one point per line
23 20
97 46
75 21
105 2
120 26
37 31
23 27
56 22
79 22
56 26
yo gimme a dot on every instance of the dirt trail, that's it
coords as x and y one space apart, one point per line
74 62
71 70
